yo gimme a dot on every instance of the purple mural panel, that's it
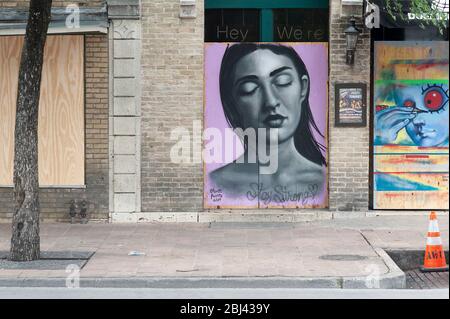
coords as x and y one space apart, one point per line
266 115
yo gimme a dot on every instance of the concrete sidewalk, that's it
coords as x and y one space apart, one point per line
340 253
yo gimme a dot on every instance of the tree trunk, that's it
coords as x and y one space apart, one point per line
25 241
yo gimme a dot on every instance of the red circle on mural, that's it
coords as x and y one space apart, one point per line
434 100
409 103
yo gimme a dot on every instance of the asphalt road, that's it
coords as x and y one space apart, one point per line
113 293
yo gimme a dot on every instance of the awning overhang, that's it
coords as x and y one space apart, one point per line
90 20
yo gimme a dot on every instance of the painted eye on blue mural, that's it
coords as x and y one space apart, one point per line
434 97
409 103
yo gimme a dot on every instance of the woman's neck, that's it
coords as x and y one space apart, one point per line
287 153
285 157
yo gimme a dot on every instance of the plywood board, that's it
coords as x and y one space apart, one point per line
10 49
410 168
61 113
233 179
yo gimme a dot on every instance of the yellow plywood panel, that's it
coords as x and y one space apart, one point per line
61 128
61 111
411 200
10 48
411 163
412 191
395 149
404 58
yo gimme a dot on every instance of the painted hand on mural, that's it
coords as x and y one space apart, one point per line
422 110
390 122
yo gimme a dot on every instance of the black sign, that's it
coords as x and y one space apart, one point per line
301 25
232 25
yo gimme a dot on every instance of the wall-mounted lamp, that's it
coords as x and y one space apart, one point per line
351 35
188 9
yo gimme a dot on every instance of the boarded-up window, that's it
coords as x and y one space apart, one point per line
61 110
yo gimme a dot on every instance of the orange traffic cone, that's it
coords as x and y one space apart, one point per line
434 254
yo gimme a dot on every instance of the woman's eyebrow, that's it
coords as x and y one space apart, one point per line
273 73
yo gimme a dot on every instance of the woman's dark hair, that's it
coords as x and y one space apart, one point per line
304 140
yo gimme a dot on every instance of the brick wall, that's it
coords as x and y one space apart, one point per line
172 96
349 147
55 202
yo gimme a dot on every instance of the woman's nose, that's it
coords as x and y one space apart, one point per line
419 121
271 100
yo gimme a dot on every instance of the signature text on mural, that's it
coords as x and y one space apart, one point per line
216 195
281 194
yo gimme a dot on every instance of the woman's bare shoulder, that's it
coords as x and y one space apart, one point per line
309 173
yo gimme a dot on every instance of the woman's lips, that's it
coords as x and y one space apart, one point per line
275 121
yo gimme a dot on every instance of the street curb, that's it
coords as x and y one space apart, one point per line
410 259
180 282
393 279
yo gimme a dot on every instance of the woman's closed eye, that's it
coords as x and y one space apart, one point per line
283 80
247 88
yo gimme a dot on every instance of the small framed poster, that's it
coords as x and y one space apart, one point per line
351 104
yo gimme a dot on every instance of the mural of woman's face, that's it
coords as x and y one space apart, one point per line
269 92
430 127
